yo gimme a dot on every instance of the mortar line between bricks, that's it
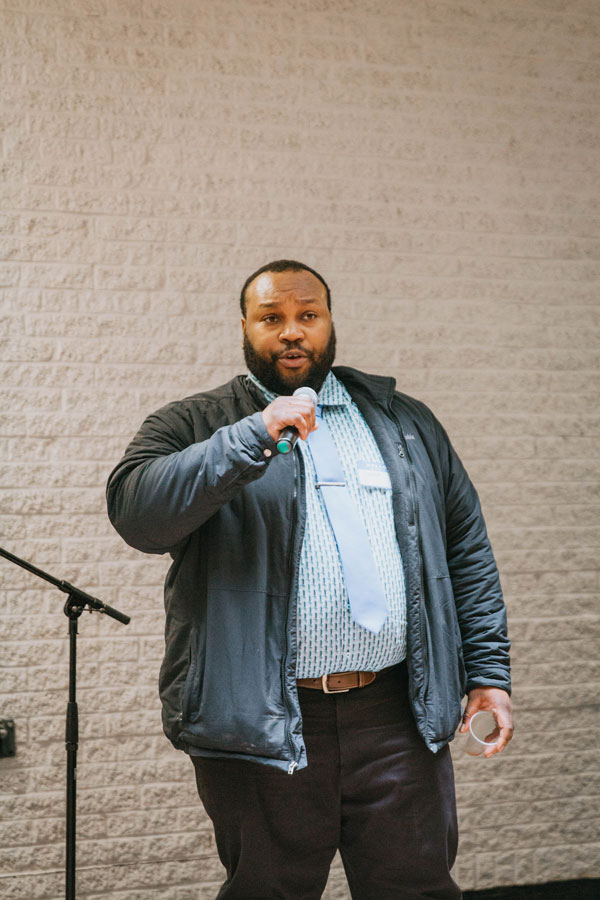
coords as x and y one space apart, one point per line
435 93
168 90
534 235
528 7
445 277
365 229
118 865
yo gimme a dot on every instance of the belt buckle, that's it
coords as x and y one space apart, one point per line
326 689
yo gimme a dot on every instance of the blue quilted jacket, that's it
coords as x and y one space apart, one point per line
202 480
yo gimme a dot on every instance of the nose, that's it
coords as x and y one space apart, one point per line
291 332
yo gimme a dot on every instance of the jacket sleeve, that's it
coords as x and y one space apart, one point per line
169 483
475 579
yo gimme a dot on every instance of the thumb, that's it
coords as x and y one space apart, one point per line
467 716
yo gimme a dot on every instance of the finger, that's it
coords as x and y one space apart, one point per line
501 735
295 420
301 402
499 745
465 723
309 420
304 424
300 415
506 734
470 710
504 723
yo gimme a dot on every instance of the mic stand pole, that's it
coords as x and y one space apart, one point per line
77 601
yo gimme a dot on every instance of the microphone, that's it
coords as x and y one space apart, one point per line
288 437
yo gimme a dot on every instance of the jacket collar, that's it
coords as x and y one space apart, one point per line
331 393
378 388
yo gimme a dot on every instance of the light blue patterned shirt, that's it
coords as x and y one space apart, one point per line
329 640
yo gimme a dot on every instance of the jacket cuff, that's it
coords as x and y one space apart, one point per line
258 441
488 682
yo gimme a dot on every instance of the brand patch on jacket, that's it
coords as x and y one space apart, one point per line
410 437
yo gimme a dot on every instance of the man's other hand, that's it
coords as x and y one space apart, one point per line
498 701
297 412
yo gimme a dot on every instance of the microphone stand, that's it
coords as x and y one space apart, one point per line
77 601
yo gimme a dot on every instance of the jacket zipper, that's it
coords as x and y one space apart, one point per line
291 603
421 574
415 502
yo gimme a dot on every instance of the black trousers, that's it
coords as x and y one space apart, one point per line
371 789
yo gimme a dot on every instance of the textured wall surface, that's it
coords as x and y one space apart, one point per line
438 161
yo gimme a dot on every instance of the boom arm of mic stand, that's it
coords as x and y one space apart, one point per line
79 597
93 602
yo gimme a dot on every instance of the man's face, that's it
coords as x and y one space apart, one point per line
289 338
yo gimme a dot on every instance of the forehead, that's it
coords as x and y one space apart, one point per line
274 287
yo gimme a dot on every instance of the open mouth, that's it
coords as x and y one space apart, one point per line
292 359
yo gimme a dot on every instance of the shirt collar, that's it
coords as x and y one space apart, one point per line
332 393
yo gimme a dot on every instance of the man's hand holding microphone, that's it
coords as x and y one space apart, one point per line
290 418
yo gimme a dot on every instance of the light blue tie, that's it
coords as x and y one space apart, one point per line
365 592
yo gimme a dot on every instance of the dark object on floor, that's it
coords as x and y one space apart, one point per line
583 889
7 737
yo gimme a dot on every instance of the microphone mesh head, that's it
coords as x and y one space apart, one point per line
307 392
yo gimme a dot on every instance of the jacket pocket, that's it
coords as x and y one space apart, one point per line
233 696
193 682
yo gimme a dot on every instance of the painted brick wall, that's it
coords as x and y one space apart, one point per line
438 161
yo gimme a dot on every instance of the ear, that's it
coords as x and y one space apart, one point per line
243 321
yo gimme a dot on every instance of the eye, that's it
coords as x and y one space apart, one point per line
310 315
269 319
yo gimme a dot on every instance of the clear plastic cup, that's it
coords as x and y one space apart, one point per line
480 734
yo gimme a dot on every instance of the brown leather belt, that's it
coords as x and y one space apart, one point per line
340 682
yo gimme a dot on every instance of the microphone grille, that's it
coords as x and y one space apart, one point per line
306 392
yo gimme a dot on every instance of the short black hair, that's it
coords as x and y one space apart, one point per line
282 265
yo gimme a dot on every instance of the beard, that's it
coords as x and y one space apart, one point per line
265 367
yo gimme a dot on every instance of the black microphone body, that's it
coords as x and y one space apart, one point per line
288 436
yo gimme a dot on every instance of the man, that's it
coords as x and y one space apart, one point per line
327 608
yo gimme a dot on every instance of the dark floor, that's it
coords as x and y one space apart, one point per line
584 889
